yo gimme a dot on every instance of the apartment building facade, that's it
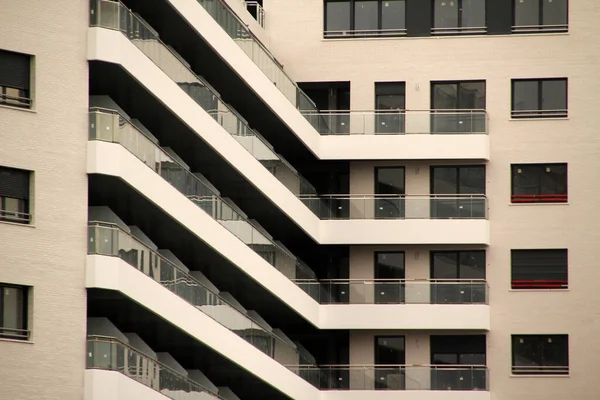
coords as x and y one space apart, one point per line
309 199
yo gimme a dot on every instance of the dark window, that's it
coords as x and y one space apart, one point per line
15 79
389 103
539 183
458 16
390 352
14 195
458 277
449 353
539 269
535 98
458 107
13 312
540 354
390 268
363 18
389 191
534 16
458 192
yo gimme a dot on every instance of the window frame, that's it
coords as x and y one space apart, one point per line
539 112
558 198
543 368
352 33
25 98
459 29
25 334
539 284
541 27
17 217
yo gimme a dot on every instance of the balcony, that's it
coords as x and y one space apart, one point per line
110 354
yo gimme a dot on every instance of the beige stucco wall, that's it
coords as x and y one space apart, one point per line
50 254
295 28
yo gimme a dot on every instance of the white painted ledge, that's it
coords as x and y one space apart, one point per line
114 274
358 147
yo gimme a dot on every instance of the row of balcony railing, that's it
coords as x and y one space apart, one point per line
108 353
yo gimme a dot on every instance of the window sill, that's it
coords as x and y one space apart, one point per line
539 290
29 341
540 376
540 119
537 204
442 37
16 224
31 110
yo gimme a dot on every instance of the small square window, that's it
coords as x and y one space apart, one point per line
535 16
539 269
15 76
13 312
539 183
539 98
540 354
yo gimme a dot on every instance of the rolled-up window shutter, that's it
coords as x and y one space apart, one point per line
14 183
14 70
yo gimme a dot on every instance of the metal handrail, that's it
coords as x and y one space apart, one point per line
386 111
14 216
402 280
540 28
110 225
457 366
14 333
365 32
399 196
28 101
460 29
113 340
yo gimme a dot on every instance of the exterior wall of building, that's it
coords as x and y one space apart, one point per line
49 254
574 140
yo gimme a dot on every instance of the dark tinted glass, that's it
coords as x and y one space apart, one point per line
534 352
539 269
366 15
554 94
389 180
389 350
536 179
471 95
445 96
527 12
525 95
338 16
444 265
473 13
445 13
459 180
458 265
444 180
555 12
389 266
393 14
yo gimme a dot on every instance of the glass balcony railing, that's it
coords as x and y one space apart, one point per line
114 15
109 240
108 125
399 377
432 206
398 291
399 122
108 353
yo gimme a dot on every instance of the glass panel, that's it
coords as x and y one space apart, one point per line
389 266
12 302
393 14
389 181
445 96
445 265
366 15
338 16
471 95
446 13
554 180
392 121
445 180
472 264
527 12
473 13
472 180
534 352
554 95
554 12
525 95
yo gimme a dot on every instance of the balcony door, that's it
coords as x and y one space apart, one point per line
450 270
454 184
452 104
389 107
389 356
389 266
453 358
389 190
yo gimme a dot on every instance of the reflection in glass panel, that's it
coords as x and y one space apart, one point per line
338 16
389 96
389 266
12 312
366 15
527 12
389 181
525 95
554 12
471 95
446 13
471 180
445 96
393 14
554 94
473 13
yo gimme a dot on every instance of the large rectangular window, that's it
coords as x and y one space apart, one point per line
389 271
390 101
465 358
14 195
457 107
13 312
15 79
458 192
364 18
539 269
539 183
539 98
534 16
389 192
540 354
390 352
458 277
458 16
